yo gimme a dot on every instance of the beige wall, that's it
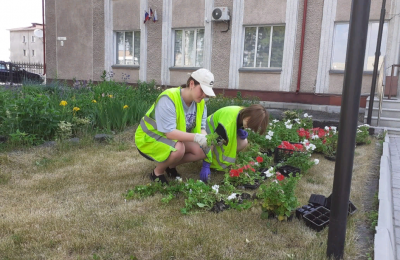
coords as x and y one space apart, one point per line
344 8
221 48
51 39
336 83
126 14
264 12
186 14
179 77
154 43
311 46
259 81
17 47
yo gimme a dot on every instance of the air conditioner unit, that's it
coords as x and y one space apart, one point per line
220 14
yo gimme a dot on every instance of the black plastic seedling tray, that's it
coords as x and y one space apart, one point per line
318 219
287 169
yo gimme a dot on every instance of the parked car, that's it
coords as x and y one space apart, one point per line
10 72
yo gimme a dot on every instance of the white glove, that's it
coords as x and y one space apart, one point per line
201 139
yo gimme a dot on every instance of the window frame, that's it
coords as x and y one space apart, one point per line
369 31
33 53
115 64
195 29
33 38
254 67
23 39
24 53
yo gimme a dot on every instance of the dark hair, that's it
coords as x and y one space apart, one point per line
188 82
258 118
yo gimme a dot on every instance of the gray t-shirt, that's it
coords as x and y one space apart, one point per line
166 116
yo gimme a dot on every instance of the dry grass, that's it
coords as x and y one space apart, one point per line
68 204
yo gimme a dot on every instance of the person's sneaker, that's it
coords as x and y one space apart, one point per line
160 178
172 173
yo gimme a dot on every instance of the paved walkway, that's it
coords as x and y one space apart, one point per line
394 147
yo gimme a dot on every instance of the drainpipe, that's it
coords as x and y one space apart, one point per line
303 30
44 41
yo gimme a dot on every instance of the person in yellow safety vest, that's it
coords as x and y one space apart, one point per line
230 124
173 130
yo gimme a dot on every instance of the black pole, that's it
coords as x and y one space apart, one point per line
376 62
357 40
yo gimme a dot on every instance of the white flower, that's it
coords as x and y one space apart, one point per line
314 137
268 137
305 142
359 131
276 181
311 146
327 128
269 172
333 128
305 115
297 120
190 191
215 188
270 133
275 121
270 124
316 161
178 178
289 126
232 196
256 163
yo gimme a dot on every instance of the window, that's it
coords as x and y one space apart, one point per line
33 38
33 53
263 46
128 48
23 39
24 52
188 49
340 45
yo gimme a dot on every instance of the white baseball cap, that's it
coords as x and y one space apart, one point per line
206 80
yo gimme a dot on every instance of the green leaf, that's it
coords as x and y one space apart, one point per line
201 205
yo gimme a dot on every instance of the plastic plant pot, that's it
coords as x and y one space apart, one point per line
317 219
316 199
281 154
287 169
351 209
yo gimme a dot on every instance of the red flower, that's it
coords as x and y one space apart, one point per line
240 170
323 141
234 173
259 159
253 169
279 176
252 163
299 146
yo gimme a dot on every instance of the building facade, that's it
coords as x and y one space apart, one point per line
257 51
25 46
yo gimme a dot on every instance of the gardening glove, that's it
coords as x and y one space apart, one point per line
205 171
242 133
202 141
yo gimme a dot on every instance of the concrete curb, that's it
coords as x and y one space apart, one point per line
385 244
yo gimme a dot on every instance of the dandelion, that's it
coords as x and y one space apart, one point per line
126 106
63 103
75 109
316 161
270 133
268 137
94 101
215 188
232 196
110 96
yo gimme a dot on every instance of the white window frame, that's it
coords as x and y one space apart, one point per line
256 43
133 47
365 65
183 45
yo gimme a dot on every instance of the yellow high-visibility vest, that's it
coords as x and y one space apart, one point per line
154 143
224 155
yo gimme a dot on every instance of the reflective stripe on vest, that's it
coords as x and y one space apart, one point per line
159 138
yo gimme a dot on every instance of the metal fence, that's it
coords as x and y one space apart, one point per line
30 67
